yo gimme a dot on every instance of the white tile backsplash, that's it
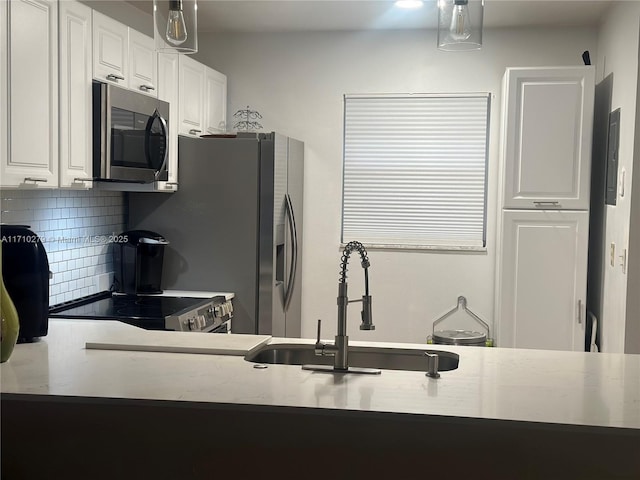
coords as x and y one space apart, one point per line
74 227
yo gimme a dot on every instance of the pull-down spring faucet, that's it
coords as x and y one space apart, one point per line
340 348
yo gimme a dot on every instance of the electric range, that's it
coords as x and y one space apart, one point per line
152 312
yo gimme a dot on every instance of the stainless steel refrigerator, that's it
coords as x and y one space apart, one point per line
235 224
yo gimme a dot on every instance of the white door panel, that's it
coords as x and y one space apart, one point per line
142 64
110 50
542 283
191 101
215 101
33 95
75 95
548 126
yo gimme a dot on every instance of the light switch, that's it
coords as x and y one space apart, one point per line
612 254
623 261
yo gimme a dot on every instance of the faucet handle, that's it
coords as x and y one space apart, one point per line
319 329
319 349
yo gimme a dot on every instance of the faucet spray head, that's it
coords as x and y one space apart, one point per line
367 319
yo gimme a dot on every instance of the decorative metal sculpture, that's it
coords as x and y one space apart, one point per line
248 120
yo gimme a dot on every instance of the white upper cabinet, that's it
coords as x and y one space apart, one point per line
191 93
123 56
548 119
4 90
168 91
215 97
31 105
75 95
202 99
143 68
543 279
110 50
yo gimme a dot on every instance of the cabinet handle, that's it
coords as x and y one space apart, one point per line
82 180
170 183
114 77
194 131
580 312
33 179
146 88
547 204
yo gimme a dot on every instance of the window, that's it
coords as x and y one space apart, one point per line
415 170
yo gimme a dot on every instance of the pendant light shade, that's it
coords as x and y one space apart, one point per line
175 26
460 24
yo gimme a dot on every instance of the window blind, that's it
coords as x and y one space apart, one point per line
415 170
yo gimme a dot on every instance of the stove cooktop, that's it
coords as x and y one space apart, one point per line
145 311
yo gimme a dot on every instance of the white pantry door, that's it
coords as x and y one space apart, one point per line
543 276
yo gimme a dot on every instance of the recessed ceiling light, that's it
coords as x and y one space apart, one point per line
409 4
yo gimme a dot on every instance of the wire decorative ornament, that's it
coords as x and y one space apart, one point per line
248 120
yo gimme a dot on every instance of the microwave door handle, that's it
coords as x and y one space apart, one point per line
165 135
147 140
105 116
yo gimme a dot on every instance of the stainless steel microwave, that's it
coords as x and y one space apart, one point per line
130 135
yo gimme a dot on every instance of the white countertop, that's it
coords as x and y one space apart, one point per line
490 383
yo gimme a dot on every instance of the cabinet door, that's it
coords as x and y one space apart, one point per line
110 50
4 89
32 158
143 69
168 91
215 99
75 95
191 92
543 280
547 137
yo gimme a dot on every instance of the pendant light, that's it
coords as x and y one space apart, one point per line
175 26
460 24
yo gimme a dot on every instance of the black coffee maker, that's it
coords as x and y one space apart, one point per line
139 260
25 271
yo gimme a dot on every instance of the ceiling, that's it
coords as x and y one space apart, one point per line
315 15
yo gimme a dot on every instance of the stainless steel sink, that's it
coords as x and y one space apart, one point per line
368 357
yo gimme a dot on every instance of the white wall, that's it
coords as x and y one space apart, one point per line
618 56
297 80
124 12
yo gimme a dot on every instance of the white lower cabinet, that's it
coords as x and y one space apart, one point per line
75 95
542 279
31 128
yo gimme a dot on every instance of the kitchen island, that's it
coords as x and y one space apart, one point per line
71 412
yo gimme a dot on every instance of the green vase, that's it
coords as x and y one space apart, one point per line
10 324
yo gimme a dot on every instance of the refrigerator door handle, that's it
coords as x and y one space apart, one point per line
294 252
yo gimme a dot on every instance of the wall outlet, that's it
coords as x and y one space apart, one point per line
623 261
